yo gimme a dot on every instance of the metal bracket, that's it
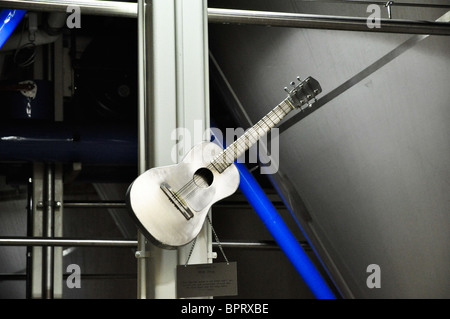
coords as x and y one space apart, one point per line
142 254
389 9
212 255
42 204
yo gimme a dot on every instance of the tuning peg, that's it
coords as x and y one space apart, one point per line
286 89
298 78
293 83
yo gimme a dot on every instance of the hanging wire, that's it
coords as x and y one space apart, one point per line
217 241
24 54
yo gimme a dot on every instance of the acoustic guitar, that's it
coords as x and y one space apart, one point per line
170 203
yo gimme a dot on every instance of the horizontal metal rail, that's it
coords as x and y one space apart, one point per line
94 204
382 3
245 17
263 244
22 276
38 241
24 241
328 22
90 7
123 205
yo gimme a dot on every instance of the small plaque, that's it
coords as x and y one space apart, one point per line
202 280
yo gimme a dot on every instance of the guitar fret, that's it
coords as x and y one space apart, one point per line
273 123
251 136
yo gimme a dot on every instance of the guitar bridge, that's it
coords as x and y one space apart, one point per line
179 203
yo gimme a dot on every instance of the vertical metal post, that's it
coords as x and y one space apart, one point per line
29 234
37 231
47 261
58 230
192 79
58 78
173 93
144 285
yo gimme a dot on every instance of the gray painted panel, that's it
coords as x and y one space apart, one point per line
372 165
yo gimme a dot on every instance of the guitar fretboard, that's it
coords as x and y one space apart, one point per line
251 136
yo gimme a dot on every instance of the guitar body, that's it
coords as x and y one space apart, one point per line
170 203
194 187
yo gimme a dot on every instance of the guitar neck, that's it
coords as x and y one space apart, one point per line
251 136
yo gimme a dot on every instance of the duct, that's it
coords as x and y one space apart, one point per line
9 19
54 142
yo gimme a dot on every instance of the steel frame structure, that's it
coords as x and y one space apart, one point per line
180 20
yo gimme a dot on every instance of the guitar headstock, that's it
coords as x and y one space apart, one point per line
303 92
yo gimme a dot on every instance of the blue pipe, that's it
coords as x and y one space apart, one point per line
94 143
282 235
279 230
9 19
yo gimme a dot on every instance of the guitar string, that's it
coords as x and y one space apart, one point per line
274 116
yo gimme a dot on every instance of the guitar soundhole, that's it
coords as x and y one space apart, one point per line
203 177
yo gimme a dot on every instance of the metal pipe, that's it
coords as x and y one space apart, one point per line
123 205
96 204
282 235
382 3
29 263
66 242
232 16
9 19
314 21
66 143
145 289
21 276
263 244
24 241
90 7
48 232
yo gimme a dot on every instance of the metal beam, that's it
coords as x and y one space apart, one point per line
51 242
248 17
49 184
381 3
94 204
37 230
174 85
90 7
262 244
315 21
72 242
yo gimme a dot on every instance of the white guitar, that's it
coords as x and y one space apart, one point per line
170 203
